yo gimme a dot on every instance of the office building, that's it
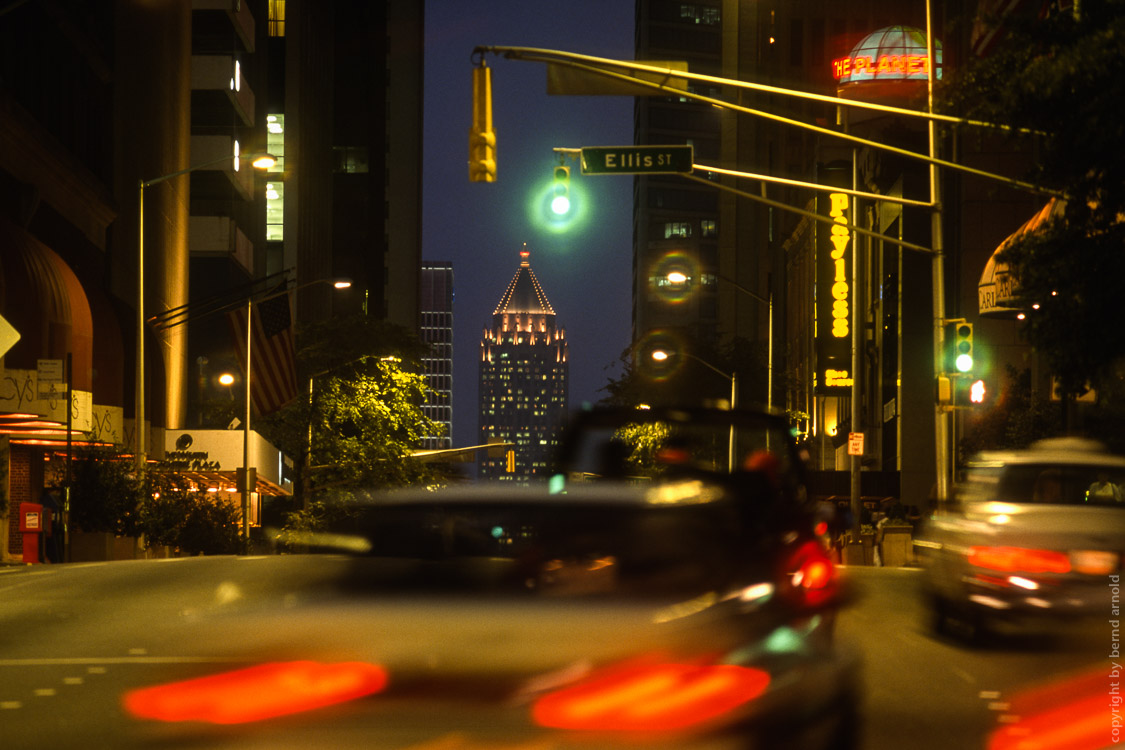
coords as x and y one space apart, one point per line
523 387
437 334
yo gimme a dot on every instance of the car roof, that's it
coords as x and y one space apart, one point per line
607 493
1068 451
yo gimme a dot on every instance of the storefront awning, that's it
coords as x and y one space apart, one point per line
997 291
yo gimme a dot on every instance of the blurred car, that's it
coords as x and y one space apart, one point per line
687 608
1031 539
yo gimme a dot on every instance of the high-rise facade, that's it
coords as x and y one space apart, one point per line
437 363
523 386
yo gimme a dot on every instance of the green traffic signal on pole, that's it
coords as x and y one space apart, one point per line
963 347
560 201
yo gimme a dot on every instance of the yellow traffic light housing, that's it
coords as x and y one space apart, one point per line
962 346
482 138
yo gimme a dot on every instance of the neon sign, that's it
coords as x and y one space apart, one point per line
841 235
883 67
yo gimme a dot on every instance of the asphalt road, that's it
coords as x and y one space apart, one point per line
73 638
925 692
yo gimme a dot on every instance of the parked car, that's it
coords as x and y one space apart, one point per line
1031 539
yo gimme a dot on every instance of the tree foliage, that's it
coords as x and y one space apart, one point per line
1064 77
363 416
173 513
105 493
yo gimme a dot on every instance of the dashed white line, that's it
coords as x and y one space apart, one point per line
44 692
10 705
73 680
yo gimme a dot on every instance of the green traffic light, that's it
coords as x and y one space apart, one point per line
964 362
560 204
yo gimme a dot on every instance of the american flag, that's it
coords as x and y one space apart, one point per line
273 379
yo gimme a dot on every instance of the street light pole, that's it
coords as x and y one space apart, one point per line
259 161
660 355
249 475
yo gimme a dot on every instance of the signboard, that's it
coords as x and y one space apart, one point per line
833 284
637 159
855 443
50 377
8 336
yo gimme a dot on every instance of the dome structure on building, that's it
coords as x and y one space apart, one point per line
891 54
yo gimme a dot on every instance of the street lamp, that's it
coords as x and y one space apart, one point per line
258 161
662 355
249 476
679 278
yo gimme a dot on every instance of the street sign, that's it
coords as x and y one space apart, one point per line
637 159
8 336
855 443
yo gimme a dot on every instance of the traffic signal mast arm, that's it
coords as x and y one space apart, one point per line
591 65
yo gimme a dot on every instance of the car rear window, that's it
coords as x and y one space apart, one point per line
1048 483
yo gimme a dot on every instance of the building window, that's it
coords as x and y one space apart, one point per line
277 18
677 229
709 228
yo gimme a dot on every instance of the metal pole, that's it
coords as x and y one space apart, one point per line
857 316
769 359
941 416
139 410
246 435
733 406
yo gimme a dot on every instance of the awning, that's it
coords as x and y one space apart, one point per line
998 290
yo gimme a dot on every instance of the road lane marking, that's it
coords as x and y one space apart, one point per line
44 692
73 680
10 705
964 675
95 670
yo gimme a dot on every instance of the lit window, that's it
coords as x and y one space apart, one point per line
677 229
708 227
277 18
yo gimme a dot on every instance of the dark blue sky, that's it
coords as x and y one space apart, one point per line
585 271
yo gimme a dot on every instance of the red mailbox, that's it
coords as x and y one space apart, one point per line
34 520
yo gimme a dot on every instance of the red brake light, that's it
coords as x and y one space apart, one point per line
811 578
261 692
651 697
1019 559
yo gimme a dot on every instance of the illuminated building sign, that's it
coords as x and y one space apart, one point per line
865 67
894 53
834 294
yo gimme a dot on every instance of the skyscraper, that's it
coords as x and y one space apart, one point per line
523 381
437 333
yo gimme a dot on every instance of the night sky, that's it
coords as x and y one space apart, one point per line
586 269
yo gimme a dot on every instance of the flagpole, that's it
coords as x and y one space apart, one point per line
246 436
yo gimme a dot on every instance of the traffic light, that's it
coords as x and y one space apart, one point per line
969 392
961 348
482 138
560 196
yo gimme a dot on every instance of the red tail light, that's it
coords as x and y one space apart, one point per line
262 692
811 577
651 697
1072 714
1019 560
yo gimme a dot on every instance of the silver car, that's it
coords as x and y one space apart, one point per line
1032 537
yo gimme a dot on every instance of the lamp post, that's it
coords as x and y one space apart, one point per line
259 161
679 277
662 355
248 479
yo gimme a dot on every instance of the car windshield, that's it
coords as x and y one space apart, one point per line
1049 484
549 548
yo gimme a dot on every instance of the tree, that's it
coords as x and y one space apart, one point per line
105 492
363 417
1064 77
173 513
